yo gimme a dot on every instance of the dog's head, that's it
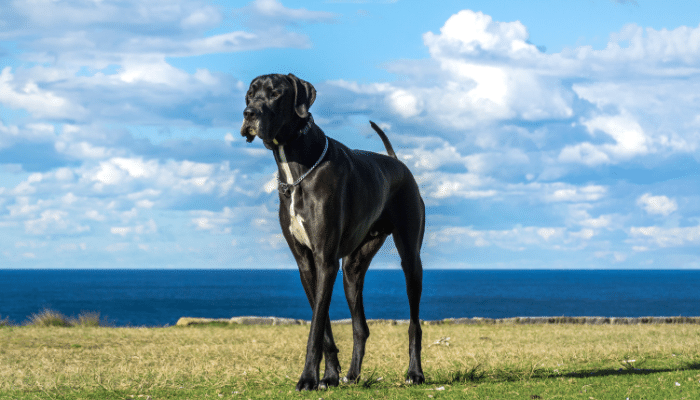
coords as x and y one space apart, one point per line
275 107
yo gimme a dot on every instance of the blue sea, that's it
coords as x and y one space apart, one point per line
160 297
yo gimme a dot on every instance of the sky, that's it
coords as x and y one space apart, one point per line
543 135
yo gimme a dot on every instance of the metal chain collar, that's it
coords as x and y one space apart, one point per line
285 188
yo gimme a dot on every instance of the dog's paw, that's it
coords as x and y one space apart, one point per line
415 378
327 382
350 378
307 384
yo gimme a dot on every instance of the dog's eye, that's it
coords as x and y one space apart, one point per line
276 93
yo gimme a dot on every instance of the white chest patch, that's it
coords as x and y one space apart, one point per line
296 222
285 166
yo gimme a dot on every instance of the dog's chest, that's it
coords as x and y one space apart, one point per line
296 222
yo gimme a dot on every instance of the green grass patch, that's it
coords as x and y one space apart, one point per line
501 361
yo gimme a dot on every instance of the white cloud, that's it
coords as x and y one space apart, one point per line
614 256
455 238
578 215
628 135
121 196
439 185
8 134
405 104
151 69
273 241
601 222
136 167
118 170
666 237
27 133
469 33
647 48
54 222
584 153
83 150
480 78
149 227
204 17
671 101
273 10
41 103
214 222
584 234
56 14
547 233
176 178
154 26
657 204
458 236
430 159
569 193
145 89
64 174
95 215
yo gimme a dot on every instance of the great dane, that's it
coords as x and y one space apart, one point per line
336 203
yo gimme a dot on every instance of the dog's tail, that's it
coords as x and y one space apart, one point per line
387 144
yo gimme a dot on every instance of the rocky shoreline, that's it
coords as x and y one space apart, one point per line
187 321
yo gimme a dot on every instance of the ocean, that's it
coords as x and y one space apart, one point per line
160 297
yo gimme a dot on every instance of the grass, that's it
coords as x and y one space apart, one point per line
263 362
49 317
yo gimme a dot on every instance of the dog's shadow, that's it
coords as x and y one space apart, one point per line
477 375
692 366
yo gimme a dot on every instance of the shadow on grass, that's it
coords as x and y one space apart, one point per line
477 375
691 366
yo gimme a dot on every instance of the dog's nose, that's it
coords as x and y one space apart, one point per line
250 112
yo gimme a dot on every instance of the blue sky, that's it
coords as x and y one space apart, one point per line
543 134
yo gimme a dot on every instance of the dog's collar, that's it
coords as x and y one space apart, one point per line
285 188
302 131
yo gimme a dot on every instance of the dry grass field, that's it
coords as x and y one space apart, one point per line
460 361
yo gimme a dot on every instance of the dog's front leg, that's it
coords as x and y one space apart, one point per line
307 271
327 270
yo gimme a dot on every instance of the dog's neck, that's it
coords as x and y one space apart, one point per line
295 157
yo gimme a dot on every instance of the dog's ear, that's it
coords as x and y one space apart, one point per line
304 95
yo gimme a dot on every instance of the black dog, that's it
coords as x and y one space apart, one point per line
336 203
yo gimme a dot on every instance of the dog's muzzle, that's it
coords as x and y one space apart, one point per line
251 123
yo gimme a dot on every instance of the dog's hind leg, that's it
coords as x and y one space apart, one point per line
354 268
413 271
408 217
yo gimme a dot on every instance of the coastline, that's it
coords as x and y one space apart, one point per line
253 320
